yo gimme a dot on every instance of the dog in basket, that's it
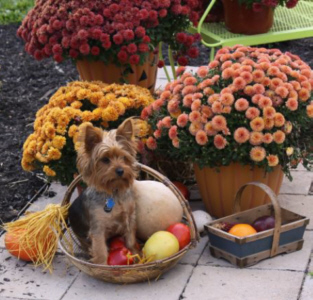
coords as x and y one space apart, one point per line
107 162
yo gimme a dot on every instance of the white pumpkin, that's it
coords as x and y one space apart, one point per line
157 208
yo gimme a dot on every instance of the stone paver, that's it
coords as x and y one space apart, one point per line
307 290
20 280
169 286
221 283
299 185
192 256
300 204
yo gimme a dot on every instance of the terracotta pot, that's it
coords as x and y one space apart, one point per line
240 19
143 75
218 190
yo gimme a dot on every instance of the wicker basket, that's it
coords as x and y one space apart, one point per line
131 273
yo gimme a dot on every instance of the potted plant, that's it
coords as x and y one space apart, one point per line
252 16
239 119
113 41
51 147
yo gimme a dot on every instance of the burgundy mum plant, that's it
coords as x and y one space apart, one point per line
115 31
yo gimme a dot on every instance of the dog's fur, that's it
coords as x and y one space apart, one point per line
106 161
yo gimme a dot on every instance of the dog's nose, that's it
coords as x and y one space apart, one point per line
119 171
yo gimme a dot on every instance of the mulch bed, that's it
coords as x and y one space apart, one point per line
26 86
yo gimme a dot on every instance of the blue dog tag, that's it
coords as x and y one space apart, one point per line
109 204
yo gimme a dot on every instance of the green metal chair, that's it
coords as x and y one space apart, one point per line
289 24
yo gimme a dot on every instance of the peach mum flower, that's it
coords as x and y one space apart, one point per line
288 86
257 124
220 142
227 73
236 74
208 127
236 66
166 95
173 106
226 90
282 91
207 111
269 112
248 90
257 154
246 68
258 75
217 107
172 133
201 137
187 100
226 109
247 76
239 83
309 110
213 64
264 102
256 138
197 96
208 91
219 123
275 83
241 104
279 137
266 81
306 72
157 104
279 120
180 70
226 64
175 142
304 94
196 105
157 134
252 113
241 135
306 85
258 88
293 94
213 98
296 85
292 104
273 71
182 120
190 81
205 83
177 89
267 138
189 89
289 151
227 99
151 143
194 116
272 160
268 123
195 127
256 98
294 74
202 71
166 122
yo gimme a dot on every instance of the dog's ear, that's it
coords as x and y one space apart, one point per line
89 136
126 130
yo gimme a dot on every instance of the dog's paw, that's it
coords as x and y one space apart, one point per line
99 260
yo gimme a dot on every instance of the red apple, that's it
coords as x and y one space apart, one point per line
183 189
182 233
119 257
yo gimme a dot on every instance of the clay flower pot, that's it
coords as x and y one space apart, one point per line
143 75
240 19
218 189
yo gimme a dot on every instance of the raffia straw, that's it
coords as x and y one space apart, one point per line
41 231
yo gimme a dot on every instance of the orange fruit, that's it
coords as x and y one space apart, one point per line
242 230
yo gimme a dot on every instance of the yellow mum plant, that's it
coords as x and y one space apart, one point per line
51 147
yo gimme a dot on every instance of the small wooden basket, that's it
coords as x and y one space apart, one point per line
286 237
131 273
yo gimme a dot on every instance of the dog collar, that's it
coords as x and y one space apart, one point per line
109 204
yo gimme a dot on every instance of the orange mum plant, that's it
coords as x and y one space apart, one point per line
249 105
51 147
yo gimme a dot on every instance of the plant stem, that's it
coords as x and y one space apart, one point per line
172 63
161 58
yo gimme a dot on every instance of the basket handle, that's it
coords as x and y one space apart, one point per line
277 210
184 203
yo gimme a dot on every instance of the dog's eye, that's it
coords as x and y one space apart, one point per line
105 160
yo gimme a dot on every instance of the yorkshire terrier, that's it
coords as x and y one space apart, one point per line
107 162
